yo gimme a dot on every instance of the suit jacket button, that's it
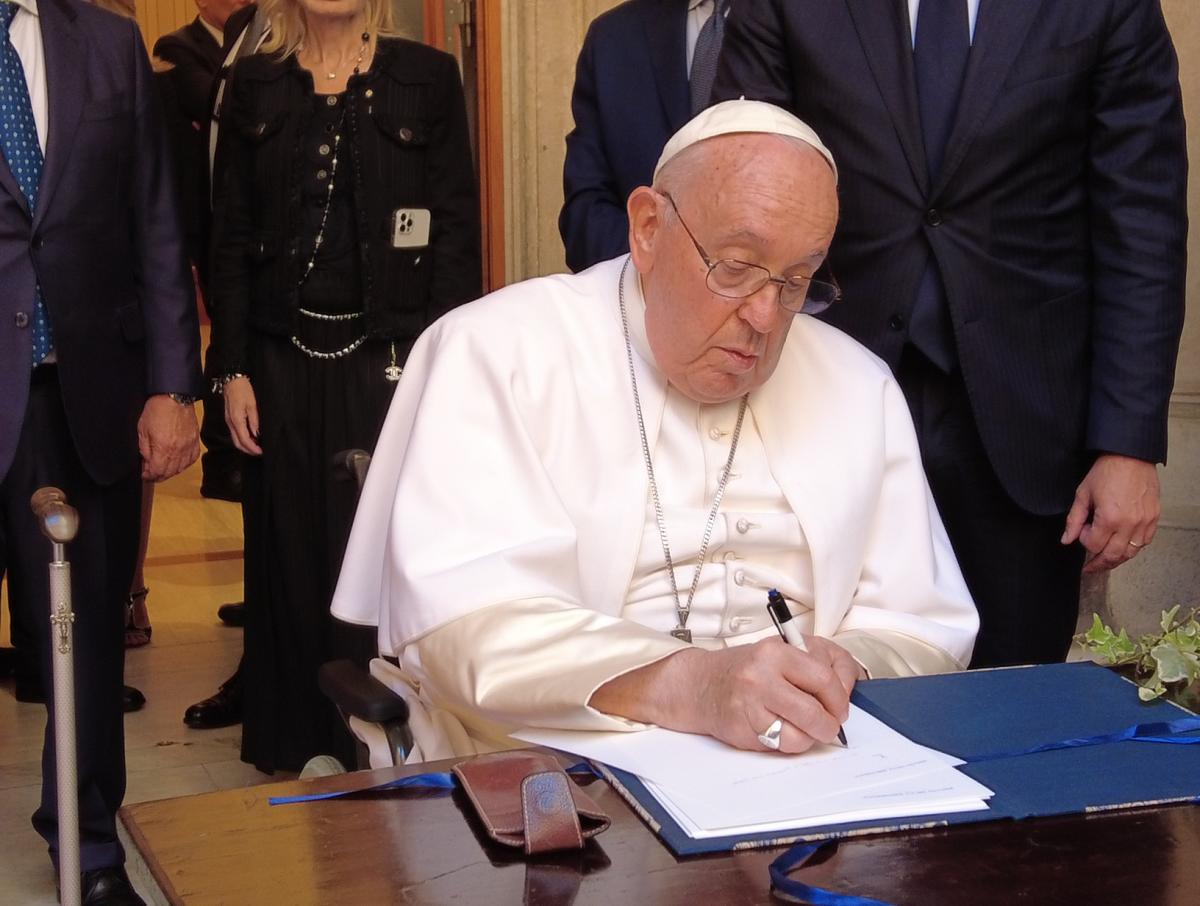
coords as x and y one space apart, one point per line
405 134
933 217
897 322
260 129
21 319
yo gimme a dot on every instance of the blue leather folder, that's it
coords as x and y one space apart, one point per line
988 712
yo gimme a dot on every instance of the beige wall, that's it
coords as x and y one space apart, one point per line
157 17
541 40
1183 17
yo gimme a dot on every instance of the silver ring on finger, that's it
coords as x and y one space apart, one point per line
1137 546
770 736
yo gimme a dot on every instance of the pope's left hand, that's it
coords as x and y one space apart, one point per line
168 438
1121 496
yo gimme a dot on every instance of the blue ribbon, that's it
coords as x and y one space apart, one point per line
806 893
1161 732
434 780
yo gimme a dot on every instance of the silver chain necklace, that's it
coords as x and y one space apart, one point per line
682 611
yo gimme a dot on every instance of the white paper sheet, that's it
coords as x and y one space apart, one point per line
713 790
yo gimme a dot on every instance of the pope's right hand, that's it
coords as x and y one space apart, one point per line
738 692
241 414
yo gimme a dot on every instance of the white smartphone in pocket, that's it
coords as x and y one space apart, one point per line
410 228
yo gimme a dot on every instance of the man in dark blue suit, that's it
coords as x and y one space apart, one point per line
632 92
99 361
1012 241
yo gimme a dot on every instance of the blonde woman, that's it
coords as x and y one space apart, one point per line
347 222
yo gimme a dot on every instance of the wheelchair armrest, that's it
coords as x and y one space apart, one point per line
358 694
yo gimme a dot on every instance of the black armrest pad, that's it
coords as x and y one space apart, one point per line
358 694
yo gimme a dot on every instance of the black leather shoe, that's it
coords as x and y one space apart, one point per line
109 887
223 485
232 614
221 710
132 699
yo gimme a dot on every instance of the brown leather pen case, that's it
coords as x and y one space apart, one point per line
525 799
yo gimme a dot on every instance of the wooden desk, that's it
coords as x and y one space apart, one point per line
416 847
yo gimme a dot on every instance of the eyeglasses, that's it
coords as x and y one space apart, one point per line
737 279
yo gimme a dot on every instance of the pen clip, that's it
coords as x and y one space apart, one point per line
775 618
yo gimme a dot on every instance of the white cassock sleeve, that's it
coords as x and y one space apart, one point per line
533 663
910 590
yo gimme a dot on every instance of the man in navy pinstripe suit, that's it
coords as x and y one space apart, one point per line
631 93
1012 242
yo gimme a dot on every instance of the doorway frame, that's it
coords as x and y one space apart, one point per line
491 126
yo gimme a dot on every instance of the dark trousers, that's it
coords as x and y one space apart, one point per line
1024 582
102 560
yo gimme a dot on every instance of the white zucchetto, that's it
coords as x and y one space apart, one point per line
730 117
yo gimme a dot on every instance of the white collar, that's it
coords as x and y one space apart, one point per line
30 6
696 4
212 30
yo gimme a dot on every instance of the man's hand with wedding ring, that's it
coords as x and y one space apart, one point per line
1116 503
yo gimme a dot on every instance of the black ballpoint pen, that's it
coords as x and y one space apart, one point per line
788 631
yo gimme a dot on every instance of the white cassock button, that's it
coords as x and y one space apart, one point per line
715 433
730 555
743 526
739 578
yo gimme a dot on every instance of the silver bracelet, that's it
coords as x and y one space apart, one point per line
218 383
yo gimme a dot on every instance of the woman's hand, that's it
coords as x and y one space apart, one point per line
241 414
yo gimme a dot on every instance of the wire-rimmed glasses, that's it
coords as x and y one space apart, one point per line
737 279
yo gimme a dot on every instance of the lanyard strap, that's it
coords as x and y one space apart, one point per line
789 889
1162 732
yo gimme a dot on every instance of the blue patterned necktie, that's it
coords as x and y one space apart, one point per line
704 57
19 144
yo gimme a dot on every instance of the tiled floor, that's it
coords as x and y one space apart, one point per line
194 564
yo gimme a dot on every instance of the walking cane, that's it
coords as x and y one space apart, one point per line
59 522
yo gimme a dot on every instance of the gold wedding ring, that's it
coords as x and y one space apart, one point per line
770 736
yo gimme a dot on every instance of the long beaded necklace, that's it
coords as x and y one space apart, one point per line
682 611
333 166
392 371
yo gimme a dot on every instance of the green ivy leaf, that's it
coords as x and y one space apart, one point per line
1173 665
1170 657
1168 619
1147 694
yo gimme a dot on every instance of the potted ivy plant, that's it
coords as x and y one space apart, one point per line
1162 663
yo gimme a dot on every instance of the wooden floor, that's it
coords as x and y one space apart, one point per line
194 564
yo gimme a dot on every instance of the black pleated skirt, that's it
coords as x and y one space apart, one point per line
297 520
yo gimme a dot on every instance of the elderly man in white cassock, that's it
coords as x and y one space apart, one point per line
587 484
